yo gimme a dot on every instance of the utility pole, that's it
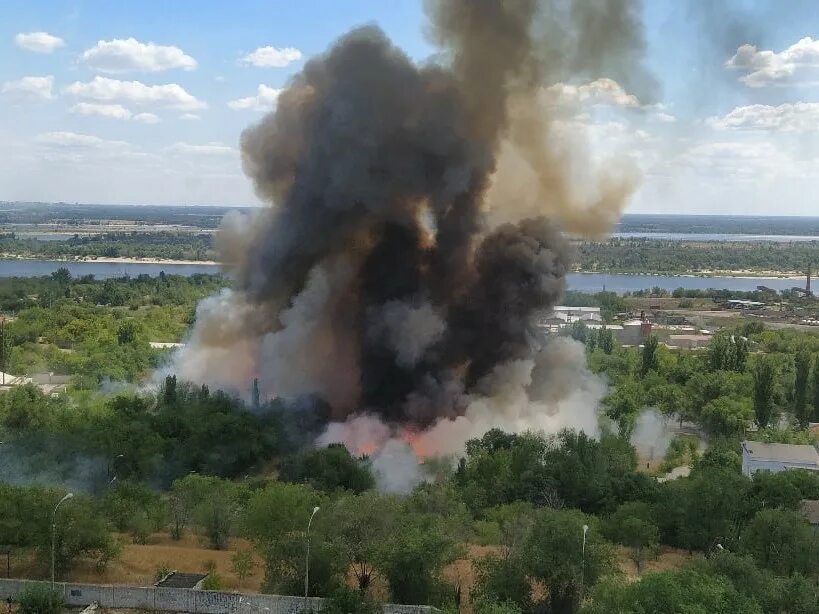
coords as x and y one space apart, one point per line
54 534
307 560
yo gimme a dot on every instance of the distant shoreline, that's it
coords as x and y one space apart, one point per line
109 260
760 275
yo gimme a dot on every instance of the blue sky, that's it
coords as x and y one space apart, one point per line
87 114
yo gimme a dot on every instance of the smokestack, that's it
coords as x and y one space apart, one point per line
384 279
807 285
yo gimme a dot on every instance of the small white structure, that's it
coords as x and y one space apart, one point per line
776 457
562 315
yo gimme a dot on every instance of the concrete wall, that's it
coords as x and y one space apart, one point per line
183 599
751 466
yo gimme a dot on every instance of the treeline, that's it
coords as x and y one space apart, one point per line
96 330
143 437
719 224
553 513
724 390
666 256
163 245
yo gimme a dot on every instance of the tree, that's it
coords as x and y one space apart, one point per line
802 364
816 388
707 509
413 558
217 513
80 532
764 388
328 469
359 526
726 416
624 405
650 361
242 563
792 594
680 591
780 540
553 556
633 526
720 353
605 339
275 519
127 332
502 580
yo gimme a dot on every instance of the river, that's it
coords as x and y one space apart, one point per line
100 270
586 282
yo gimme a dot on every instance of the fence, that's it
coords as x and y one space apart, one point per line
183 599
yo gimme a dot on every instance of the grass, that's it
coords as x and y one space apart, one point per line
138 563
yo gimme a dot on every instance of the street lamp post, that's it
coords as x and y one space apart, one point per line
307 559
54 534
583 560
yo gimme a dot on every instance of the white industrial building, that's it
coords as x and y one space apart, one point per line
562 315
776 457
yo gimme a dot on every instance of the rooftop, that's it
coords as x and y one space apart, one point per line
176 579
781 452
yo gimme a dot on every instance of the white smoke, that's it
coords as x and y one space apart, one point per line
553 391
396 467
652 434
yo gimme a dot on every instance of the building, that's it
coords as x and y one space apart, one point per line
743 304
634 332
561 316
776 457
48 383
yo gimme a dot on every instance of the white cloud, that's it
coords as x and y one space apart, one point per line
598 92
788 117
796 65
272 57
189 117
208 149
73 140
664 117
126 55
146 118
104 89
39 42
29 88
111 111
264 100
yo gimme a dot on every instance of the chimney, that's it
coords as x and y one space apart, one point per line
807 286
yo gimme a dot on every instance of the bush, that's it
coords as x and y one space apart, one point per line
40 599
345 600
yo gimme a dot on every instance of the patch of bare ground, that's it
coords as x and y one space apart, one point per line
138 564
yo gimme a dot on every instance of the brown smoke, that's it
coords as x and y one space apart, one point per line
374 280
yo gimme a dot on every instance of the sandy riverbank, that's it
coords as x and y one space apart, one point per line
107 260
762 275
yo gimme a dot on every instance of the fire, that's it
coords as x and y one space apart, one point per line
414 440
368 449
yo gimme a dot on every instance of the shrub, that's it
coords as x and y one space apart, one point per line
345 600
40 599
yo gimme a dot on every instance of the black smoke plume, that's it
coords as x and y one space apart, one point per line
373 280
